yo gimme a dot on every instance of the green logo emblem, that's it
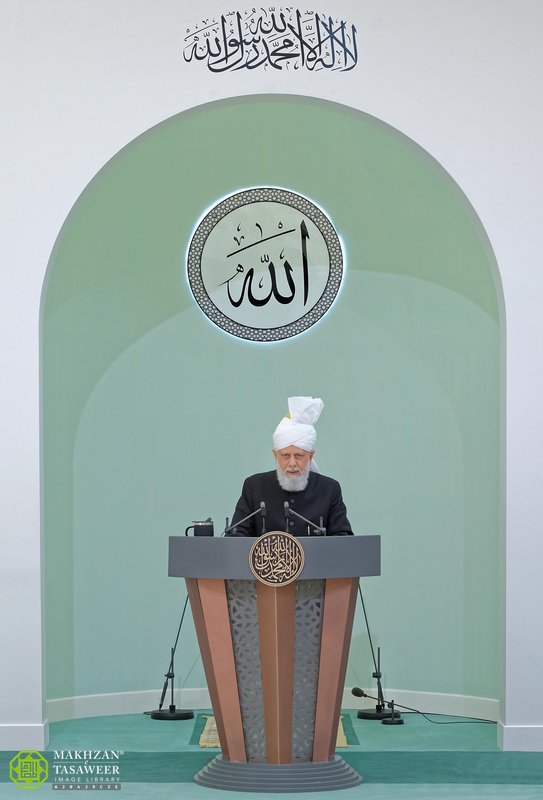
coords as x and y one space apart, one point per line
28 769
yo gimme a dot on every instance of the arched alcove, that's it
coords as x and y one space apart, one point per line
152 416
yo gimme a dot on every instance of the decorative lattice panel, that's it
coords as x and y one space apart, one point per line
309 605
244 623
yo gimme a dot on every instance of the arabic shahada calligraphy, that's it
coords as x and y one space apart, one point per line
276 558
274 38
265 264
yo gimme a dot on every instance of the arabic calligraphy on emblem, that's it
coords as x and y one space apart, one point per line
272 38
265 264
276 558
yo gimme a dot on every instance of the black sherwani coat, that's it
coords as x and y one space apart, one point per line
321 498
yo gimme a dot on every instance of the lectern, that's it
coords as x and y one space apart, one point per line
275 658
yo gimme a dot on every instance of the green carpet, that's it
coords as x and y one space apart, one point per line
444 767
382 768
417 754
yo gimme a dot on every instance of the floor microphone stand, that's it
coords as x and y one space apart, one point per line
380 712
172 712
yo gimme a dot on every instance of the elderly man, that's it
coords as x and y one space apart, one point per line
296 481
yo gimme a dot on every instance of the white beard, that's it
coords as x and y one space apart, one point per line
293 483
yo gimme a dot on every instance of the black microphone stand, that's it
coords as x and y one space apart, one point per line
380 711
319 529
393 719
260 510
172 712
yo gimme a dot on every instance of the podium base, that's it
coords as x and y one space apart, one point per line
310 776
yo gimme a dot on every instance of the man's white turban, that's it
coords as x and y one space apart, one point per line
297 428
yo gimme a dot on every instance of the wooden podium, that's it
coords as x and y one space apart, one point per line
275 658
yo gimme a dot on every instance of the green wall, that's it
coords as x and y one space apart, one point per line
152 417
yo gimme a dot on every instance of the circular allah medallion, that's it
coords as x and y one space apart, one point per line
276 558
265 264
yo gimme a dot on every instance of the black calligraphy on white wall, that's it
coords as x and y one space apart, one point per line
263 243
281 38
265 264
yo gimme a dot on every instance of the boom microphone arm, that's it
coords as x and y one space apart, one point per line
319 529
260 510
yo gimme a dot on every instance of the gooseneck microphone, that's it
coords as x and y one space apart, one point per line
319 530
260 510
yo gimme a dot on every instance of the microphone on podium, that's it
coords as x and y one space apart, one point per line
318 530
260 510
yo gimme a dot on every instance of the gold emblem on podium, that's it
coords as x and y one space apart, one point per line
276 558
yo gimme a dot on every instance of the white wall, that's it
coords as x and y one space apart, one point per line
461 77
